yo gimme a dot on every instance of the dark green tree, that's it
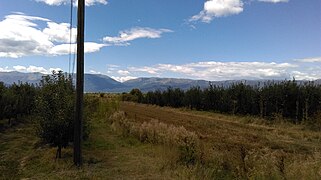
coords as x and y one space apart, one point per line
137 94
55 108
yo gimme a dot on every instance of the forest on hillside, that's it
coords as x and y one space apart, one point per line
287 99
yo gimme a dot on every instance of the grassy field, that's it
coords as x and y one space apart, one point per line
228 147
107 155
244 147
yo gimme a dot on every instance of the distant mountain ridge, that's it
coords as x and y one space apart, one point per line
100 83
148 84
103 83
16 77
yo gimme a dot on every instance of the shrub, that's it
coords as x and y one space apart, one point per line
55 108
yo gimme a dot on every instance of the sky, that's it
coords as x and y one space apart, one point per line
195 39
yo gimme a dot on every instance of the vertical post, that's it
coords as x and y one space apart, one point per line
79 83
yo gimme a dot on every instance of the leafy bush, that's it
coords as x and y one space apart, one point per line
55 109
16 101
134 95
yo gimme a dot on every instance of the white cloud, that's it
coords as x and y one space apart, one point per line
37 69
218 8
60 32
274 1
135 33
122 72
175 68
6 69
309 60
94 2
112 66
123 79
91 47
305 76
30 69
150 70
21 36
233 70
64 2
214 70
94 72
54 2
63 49
19 68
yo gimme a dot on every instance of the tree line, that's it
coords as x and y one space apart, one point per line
16 100
50 104
288 99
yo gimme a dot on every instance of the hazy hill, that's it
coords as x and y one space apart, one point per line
15 77
147 84
103 83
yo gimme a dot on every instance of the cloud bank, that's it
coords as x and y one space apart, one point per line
20 36
30 69
300 69
309 60
216 71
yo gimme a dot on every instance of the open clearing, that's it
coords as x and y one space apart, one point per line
228 131
233 147
246 147
107 155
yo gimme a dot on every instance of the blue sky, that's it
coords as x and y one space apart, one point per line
125 39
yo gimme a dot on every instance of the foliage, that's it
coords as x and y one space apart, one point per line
134 95
16 100
52 103
293 101
55 109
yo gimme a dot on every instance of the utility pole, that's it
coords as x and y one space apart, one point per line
79 83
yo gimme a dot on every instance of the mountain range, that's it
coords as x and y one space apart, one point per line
103 83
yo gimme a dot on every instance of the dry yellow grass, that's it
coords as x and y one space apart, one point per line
243 145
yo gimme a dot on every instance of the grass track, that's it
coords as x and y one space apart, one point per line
222 131
242 147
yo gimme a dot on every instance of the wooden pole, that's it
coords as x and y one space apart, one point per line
79 83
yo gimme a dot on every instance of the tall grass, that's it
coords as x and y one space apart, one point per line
156 132
233 148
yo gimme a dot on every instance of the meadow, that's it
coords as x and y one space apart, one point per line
241 146
137 141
